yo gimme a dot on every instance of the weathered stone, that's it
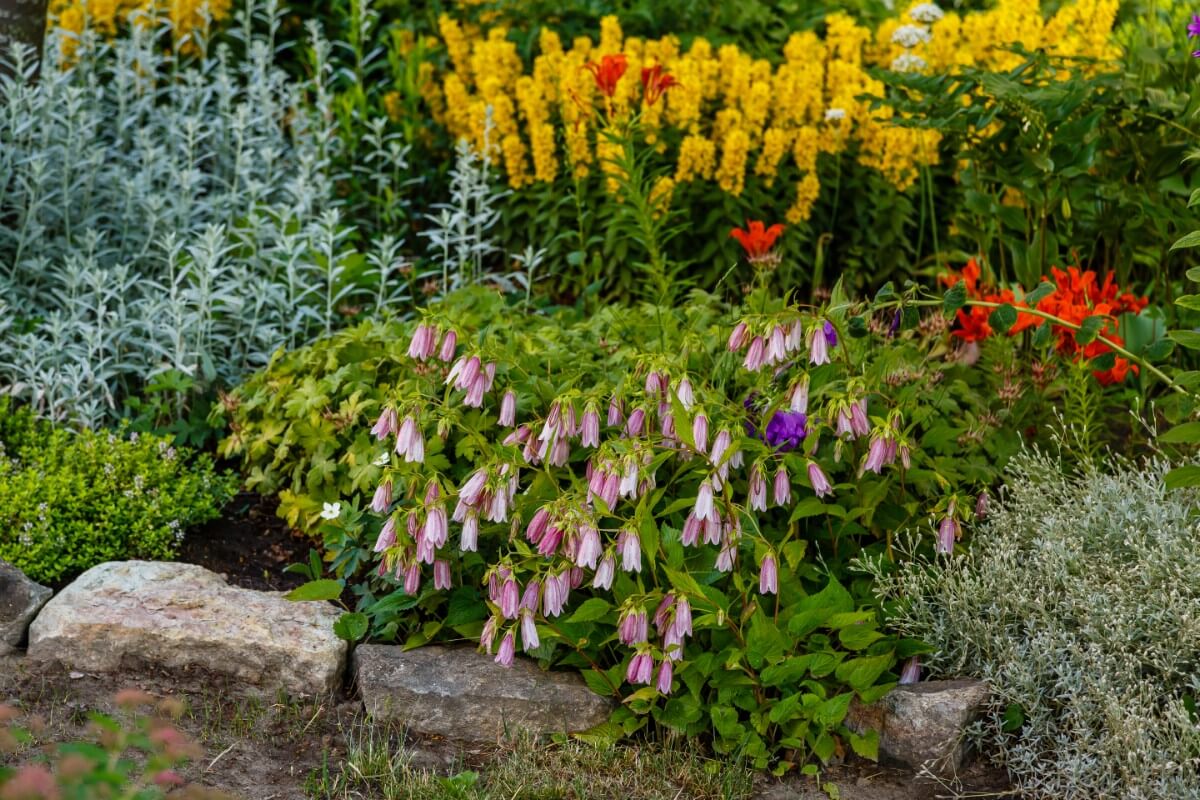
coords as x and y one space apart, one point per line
130 613
923 724
20 600
461 694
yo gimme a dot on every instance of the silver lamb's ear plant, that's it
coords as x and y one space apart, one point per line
459 237
163 216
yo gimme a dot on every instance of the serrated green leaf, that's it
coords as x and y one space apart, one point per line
1002 318
352 626
954 299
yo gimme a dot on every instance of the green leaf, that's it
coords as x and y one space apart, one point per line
1014 718
1187 433
1043 290
1188 240
808 507
764 643
352 626
725 722
680 712
648 534
602 736
1193 274
857 637
1003 318
1188 301
1189 339
860 673
866 746
590 610
955 298
1089 329
1183 477
324 589
1159 350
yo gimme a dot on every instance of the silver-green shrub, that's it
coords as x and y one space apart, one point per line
1079 601
168 215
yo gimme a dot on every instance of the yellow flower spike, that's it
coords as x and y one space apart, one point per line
808 189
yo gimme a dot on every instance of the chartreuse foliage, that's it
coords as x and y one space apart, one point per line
69 501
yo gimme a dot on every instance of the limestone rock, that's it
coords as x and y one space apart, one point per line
129 613
461 694
923 723
20 600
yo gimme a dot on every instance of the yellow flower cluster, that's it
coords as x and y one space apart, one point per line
108 17
734 116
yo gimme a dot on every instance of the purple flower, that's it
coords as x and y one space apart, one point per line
632 627
768 576
507 649
529 634
441 575
830 334
641 668
895 326
911 673
1194 27
947 533
820 483
663 684
786 430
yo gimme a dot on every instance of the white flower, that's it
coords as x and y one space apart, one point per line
910 35
926 12
907 62
832 114
331 511
383 459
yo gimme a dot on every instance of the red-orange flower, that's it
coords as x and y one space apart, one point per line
608 72
758 241
655 82
1076 297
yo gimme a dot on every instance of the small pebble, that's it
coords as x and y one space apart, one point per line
75 676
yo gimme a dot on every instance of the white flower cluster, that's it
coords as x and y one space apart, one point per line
1077 602
908 62
927 13
909 36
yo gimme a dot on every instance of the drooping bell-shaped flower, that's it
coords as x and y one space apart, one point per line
798 398
615 412
529 634
632 627
508 409
487 636
410 442
504 656
981 505
510 599
911 673
756 356
636 421
605 572
589 432
704 501
683 390
663 682
387 536
630 548
412 579
690 535
386 425
469 542
738 337
441 575
700 432
587 553
641 669
859 423
757 499
683 616
818 345
768 575
782 486
449 345
820 483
